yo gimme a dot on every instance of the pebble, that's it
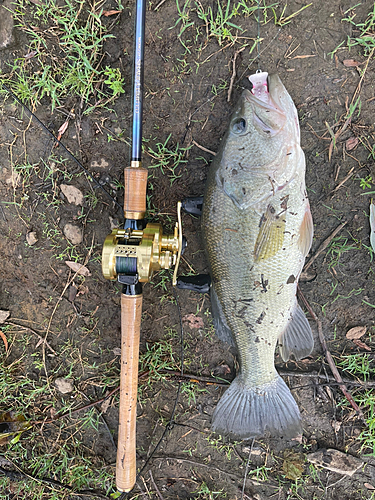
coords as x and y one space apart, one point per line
31 238
73 234
4 315
72 194
64 385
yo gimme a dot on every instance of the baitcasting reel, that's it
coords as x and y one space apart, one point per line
132 255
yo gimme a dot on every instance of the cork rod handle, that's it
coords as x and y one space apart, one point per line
135 191
131 311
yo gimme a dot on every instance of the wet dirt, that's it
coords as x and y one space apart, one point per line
184 101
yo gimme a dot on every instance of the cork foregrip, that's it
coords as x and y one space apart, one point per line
131 311
135 192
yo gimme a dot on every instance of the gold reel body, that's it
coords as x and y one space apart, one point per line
142 251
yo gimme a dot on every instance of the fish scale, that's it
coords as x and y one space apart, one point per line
257 229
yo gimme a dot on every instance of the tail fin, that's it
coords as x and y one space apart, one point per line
247 412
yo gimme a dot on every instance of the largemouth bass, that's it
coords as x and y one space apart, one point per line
257 229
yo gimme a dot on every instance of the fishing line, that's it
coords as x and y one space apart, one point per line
171 422
56 140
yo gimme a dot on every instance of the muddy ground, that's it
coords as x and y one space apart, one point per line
186 99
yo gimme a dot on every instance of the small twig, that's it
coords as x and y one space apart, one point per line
351 172
246 470
324 245
327 378
234 71
191 378
156 488
160 4
349 118
41 339
71 412
330 360
203 148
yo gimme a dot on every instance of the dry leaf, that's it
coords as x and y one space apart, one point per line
4 315
4 339
105 405
293 465
193 321
361 345
356 333
30 54
78 268
369 486
62 129
351 143
12 426
351 63
108 13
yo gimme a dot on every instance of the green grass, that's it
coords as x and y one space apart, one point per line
363 32
359 365
168 158
204 492
223 21
52 451
157 357
339 246
65 55
362 367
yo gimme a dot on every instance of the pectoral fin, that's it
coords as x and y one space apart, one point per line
271 234
306 232
297 338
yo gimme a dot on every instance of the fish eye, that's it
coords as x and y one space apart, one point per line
239 125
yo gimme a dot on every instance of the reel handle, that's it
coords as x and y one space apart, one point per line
131 312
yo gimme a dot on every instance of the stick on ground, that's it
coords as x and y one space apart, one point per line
330 360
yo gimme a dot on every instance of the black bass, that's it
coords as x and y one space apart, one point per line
257 229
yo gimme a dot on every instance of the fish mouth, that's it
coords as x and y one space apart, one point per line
265 90
268 114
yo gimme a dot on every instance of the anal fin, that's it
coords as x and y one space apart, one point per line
221 328
297 338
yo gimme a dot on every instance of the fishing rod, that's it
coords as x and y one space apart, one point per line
130 256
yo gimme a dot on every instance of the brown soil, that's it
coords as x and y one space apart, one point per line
83 324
